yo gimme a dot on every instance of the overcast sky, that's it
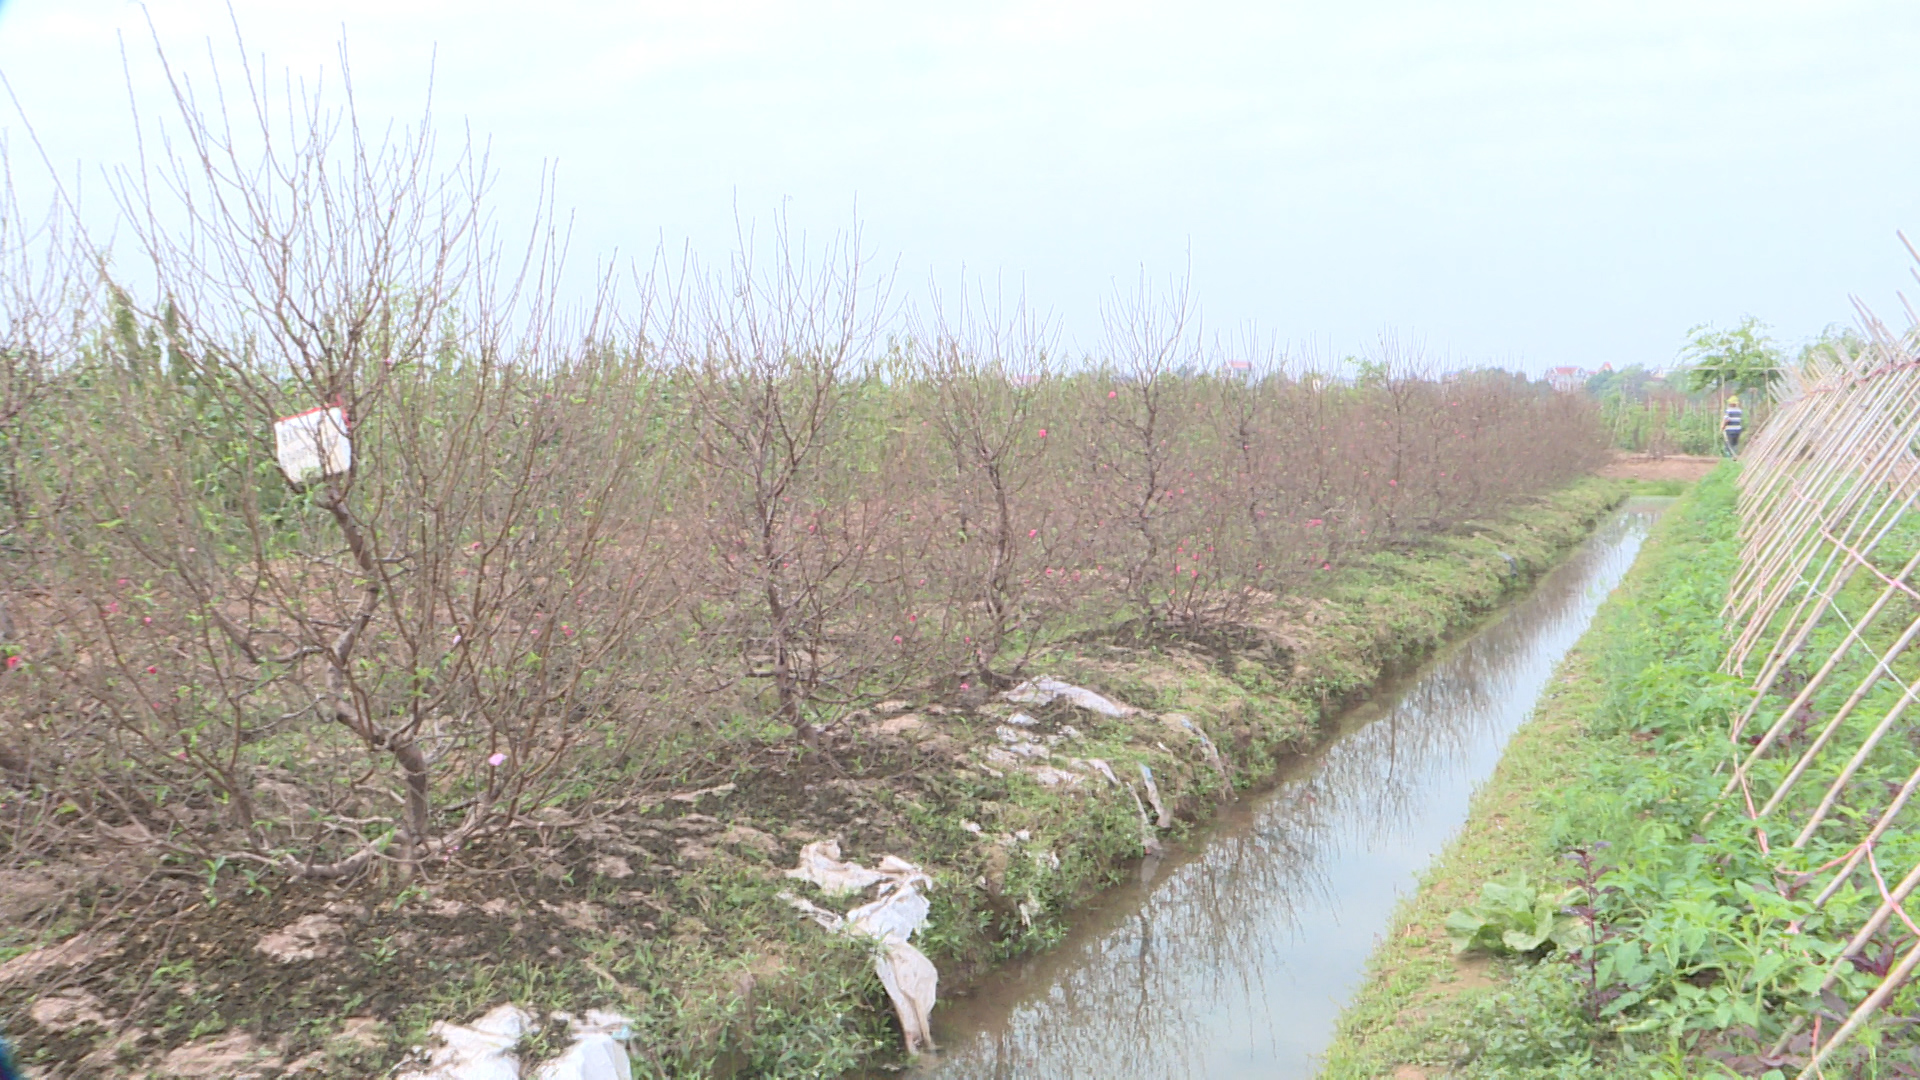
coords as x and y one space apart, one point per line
1518 182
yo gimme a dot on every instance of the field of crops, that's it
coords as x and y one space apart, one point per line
542 555
575 543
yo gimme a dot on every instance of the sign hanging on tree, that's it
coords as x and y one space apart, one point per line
313 445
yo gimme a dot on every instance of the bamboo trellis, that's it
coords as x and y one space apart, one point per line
1824 485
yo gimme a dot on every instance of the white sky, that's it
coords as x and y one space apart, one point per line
1520 182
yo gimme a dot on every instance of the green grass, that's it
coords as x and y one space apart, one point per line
1700 954
1667 488
1422 1010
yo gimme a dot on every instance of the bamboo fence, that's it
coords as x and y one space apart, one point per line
1824 485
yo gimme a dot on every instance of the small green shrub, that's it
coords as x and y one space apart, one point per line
1537 1029
1515 917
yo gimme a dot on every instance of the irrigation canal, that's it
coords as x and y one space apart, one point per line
1235 958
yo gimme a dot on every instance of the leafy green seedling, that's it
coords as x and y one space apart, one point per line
1515 917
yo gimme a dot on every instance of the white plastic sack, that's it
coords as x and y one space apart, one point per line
482 1050
912 982
1048 776
313 445
1020 743
896 915
1045 689
820 863
598 1051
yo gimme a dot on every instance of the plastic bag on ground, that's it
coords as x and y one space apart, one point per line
482 1050
820 863
911 980
912 983
1098 765
1048 776
598 1051
896 915
1045 689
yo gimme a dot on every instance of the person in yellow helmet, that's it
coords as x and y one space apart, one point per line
1731 425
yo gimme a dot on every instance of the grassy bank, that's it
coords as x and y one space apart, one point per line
668 909
1679 955
1424 1012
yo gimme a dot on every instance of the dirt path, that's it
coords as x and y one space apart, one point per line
1683 467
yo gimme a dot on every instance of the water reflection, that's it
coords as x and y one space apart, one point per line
1235 961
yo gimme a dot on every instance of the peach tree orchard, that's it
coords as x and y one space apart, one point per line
312 673
574 551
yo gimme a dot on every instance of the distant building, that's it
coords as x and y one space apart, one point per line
1568 380
1242 368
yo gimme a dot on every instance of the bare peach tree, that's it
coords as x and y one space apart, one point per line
772 357
338 543
385 656
46 309
984 371
1135 440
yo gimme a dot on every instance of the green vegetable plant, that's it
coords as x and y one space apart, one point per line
1515 917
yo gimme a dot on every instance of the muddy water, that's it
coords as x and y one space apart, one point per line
1235 960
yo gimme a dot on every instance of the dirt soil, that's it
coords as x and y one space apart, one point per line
669 906
1685 468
